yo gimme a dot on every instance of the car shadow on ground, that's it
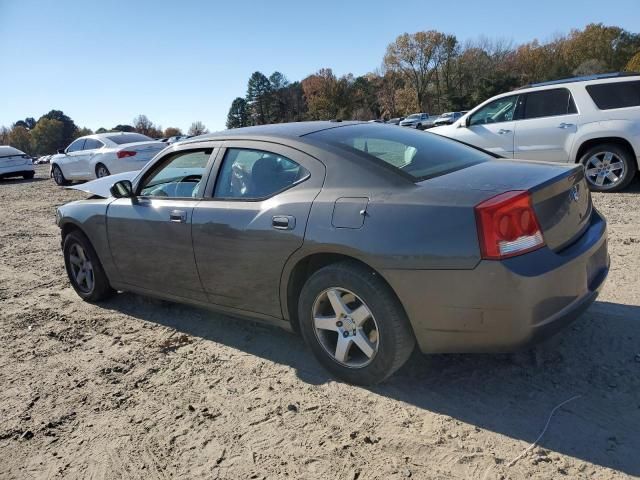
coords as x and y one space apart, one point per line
597 358
16 180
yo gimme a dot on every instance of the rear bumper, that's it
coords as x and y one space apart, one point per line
504 306
16 170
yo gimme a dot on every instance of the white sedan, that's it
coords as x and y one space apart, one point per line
15 163
100 155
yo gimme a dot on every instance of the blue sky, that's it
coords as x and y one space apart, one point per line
103 63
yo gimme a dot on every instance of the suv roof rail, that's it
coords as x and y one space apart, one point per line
585 78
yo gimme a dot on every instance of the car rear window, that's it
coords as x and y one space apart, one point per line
615 95
413 153
122 138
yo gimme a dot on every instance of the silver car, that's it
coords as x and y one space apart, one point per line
365 238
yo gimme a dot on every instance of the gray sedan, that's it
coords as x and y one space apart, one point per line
365 238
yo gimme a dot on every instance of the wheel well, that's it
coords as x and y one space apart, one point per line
599 141
307 267
96 167
67 228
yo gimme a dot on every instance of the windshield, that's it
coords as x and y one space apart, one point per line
411 152
446 115
122 138
415 115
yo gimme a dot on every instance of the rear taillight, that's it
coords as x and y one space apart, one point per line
507 226
126 153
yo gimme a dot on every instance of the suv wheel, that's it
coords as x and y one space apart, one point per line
608 167
354 324
84 269
58 176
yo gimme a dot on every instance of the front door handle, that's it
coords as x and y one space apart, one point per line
178 216
565 125
503 131
283 222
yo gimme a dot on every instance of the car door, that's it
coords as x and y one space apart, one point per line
150 234
548 124
85 161
492 126
71 161
253 217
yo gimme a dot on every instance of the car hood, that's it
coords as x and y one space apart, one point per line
102 186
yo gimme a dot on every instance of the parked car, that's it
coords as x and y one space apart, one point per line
447 118
416 120
364 237
395 121
15 163
594 121
100 155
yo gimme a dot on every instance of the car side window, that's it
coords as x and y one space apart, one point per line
255 174
178 176
91 144
549 103
607 96
500 110
76 145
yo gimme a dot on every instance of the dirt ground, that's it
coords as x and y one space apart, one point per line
136 388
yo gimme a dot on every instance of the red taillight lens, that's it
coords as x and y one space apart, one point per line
507 226
125 153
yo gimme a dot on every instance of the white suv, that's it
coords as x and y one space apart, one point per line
592 120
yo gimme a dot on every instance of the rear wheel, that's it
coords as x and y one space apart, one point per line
58 176
29 175
608 167
102 171
354 324
84 269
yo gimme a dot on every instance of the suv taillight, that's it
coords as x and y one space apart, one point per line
507 226
125 153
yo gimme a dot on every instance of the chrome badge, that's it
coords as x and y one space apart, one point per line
574 193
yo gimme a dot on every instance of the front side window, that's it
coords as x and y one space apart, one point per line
500 110
413 153
76 146
615 95
178 176
549 103
255 174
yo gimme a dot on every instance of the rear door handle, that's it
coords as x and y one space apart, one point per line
283 222
178 216
503 131
565 125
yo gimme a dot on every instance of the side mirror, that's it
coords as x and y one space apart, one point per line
61 151
122 189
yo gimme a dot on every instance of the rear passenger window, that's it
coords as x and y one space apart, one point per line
615 95
255 174
549 103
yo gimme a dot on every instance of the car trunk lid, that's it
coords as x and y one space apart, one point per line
559 193
145 151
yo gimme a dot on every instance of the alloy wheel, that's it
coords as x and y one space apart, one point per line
605 169
102 171
81 268
345 327
57 175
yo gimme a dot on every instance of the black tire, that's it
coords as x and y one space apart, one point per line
100 167
58 176
419 126
101 289
396 340
625 156
29 175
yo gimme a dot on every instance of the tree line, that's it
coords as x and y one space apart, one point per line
55 130
434 72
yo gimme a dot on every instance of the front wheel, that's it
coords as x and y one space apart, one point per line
608 167
354 324
84 269
29 176
58 176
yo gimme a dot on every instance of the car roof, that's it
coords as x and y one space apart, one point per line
276 130
585 78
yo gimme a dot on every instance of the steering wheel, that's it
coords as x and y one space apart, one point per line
191 179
